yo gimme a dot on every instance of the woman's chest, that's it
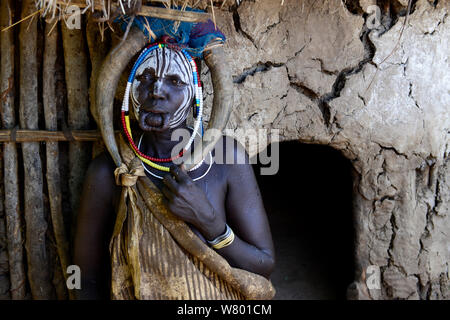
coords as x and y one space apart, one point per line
211 183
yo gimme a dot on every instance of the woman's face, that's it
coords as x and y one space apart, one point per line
163 90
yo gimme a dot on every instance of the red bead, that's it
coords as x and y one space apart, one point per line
135 148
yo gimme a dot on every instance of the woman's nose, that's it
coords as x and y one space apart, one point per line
158 89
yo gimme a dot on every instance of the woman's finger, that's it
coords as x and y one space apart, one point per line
167 193
180 175
170 183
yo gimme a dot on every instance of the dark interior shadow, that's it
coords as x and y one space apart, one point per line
309 206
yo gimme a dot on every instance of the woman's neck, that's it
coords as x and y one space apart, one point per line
160 144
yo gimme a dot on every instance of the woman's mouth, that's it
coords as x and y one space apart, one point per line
153 120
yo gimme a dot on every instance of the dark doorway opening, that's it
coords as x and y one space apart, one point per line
309 206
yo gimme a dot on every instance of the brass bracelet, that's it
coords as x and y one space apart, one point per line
223 240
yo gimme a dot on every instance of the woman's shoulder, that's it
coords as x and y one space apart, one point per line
100 173
102 164
230 151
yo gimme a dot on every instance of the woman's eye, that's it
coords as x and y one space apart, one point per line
176 82
146 77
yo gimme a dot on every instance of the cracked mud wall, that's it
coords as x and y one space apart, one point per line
313 70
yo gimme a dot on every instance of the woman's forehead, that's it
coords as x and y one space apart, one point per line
164 62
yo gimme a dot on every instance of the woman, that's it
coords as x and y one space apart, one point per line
153 252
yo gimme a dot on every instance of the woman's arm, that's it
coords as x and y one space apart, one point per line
252 248
93 231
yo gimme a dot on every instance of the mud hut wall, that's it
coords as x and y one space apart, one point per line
317 72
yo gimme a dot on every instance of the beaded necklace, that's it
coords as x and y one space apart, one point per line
194 168
125 109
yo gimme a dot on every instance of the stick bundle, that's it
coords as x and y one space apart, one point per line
36 224
77 82
11 163
52 150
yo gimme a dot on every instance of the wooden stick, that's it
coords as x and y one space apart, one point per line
5 283
21 20
36 226
214 16
11 164
43 135
52 151
156 12
171 14
77 83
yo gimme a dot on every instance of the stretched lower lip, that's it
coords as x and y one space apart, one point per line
149 124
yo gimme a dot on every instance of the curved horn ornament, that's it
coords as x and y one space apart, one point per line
107 81
217 62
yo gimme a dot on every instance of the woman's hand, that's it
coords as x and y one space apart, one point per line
188 202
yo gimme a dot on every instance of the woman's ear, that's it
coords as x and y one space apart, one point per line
133 114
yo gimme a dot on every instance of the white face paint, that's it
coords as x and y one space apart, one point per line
166 61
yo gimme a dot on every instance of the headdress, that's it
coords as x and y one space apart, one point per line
187 68
195 39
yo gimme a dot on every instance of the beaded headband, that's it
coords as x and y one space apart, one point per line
198 107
